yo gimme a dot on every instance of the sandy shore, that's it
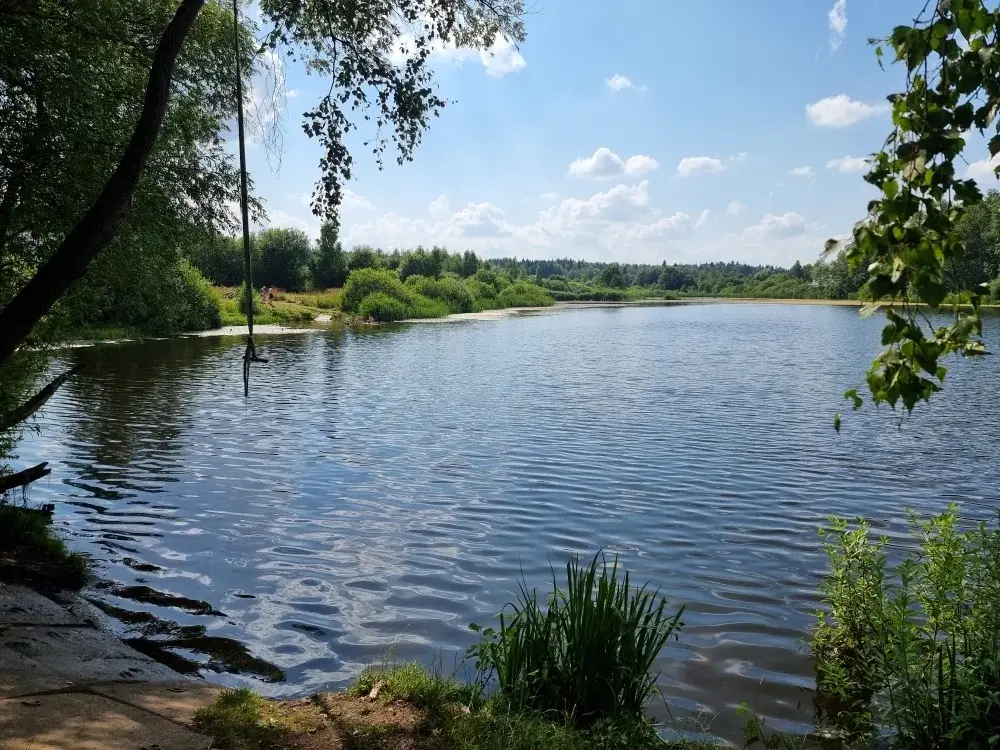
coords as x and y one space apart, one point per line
257 330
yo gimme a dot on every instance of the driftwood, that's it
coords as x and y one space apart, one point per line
23 478
37 401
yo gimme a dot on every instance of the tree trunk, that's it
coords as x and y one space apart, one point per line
102 220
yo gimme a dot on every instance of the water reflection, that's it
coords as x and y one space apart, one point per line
383 489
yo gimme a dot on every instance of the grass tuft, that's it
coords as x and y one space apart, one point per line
587 654
242 720
32 553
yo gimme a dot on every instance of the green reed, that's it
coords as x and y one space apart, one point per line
584 655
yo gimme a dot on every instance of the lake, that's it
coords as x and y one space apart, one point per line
381 489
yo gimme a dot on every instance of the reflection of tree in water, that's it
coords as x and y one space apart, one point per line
135 403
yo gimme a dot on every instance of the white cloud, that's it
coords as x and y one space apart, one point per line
703 218
838 23
501 58
773 225
479 220
983 171
283 219
735 208
741 156
618 82
620 203
354 200
293 93
440 207
801 172
848 164
694 165
606 164
679 223
841 111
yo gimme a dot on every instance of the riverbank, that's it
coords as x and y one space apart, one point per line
70 685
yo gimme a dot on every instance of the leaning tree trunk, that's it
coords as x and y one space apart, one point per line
102 220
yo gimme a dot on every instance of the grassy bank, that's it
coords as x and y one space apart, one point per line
285 308
30 552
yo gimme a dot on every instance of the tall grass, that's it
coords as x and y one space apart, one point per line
912 651
586 654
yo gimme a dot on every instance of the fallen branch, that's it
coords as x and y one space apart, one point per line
37 401
23 478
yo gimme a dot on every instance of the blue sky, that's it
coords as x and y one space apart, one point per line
638 131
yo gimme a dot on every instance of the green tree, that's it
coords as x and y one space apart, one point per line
80 48
329 266
612 276
362 256
470 264
284 259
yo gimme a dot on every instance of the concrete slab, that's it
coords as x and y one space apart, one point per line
82 721
22 675
84 655
178 702
22 606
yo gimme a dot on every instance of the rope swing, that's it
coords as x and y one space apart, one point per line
250 355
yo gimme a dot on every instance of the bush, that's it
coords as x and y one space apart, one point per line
367 281
587 655
383 308
913 649
197 301
241 300
448 289
219 258
523 294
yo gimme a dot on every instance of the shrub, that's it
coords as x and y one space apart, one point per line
241 300
587 655
367 281
448 289
383 308
523 294
197 301
913 649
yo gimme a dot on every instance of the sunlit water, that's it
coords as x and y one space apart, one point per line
382 489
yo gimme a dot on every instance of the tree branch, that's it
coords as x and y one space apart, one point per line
37 401
99 224
23 478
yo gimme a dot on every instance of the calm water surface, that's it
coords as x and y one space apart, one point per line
382 489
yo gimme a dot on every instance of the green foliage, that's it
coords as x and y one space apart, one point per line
383 308
362 256
329 265
413 684
219 258
448 289
912 239
42 558
367 281
240 296
587 654
524 294
612 276
420 262
914 648
284 257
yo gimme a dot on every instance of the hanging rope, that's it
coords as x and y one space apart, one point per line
250 355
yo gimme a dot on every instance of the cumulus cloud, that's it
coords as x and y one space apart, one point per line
841 111
983 171
695 165
848 164
703 218
606 164
293 93
741 156
479 220
284 220
440 207
618 82
837 18
735 208
620 203
677 224
773 225
501 58
801 172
